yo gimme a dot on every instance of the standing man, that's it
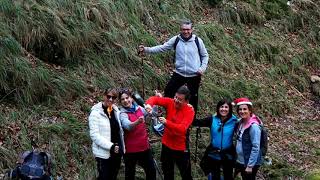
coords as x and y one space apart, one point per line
175 145
191 60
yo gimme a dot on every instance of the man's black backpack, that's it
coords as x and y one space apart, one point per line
32 165
196 40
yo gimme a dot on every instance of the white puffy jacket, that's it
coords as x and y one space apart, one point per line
99 126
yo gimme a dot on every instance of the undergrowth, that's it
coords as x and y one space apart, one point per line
57 56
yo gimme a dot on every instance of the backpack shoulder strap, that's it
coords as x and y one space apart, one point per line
198 46
47 161
196 39
176 42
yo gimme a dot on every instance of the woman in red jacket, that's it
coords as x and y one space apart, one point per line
135 137
175 145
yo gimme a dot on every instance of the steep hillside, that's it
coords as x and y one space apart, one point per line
58 56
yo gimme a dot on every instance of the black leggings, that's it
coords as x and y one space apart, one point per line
227 166
246 176
108 168
144 159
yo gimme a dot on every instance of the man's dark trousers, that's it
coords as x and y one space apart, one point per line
171 157
177 81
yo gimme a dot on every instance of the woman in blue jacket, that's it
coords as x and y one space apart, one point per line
221 151
249 156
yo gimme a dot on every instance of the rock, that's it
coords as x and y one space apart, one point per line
316 89
315 79
290 2
315 85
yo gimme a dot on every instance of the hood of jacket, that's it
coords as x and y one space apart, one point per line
253 119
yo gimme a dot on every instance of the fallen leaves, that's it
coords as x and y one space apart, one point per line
295 137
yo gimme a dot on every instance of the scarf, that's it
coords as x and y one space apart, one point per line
132 108
186 39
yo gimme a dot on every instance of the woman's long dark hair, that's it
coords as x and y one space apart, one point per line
222 102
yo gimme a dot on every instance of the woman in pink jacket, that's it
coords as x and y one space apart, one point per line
135 137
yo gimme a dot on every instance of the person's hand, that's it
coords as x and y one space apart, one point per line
140 120
141 49
148 108
116 149
137 122
158 93
162 120
200 73
248 170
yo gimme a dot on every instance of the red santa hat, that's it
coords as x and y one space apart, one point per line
241 101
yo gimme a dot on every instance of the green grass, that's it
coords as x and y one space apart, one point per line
275 9
281 169
56 55
313 175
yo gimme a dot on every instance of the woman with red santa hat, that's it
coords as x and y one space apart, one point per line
249 156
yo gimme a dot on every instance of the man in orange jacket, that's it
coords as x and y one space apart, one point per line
175 140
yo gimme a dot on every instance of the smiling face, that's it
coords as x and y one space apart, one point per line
186 30
244 111
126 100
109 99
224 110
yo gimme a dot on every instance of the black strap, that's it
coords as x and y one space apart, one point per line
196 39
198 46
197 139
176 42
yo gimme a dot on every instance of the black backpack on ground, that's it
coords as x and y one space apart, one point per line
33 165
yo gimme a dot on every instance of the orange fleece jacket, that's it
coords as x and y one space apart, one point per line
178 122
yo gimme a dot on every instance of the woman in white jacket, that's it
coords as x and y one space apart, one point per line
107 136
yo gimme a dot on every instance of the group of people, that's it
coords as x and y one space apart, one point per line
235 142
118 132
122 132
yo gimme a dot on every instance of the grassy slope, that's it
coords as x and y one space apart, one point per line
58 55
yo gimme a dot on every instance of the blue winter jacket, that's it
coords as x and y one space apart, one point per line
221 136
249 148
